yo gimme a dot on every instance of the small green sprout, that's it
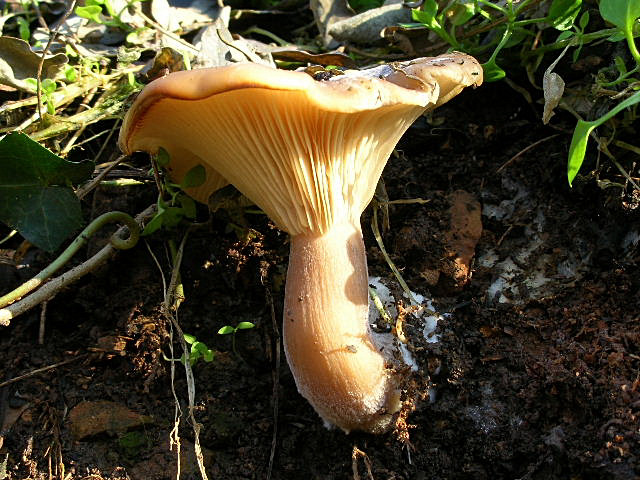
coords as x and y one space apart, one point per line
173 204
229 330
47 88
198 350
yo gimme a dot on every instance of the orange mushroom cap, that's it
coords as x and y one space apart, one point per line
303 150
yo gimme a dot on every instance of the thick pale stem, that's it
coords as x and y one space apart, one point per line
327 337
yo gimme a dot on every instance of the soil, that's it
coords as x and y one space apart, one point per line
536 374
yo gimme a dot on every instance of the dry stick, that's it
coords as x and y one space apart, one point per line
51 288
44 54
276 381
43 322
525 150
174 434
86 188
41 370
107 140
99 222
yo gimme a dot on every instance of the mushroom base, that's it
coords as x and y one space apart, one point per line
327 337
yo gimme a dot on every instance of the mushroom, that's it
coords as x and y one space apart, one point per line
309 153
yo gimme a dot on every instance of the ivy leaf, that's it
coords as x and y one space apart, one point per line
36 197
194 177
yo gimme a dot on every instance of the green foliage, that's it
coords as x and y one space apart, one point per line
229 330
36 197
198 351
173 204
484 27
23 28
583 130
47 88
94 10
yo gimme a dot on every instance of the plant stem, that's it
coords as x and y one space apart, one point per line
116 242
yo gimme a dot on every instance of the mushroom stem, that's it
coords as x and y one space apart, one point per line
327 337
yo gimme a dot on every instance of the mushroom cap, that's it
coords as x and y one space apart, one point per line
307 152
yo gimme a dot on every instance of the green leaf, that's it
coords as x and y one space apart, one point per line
622 13
564 35
208 356
584 20
172 217
199 347
23 28
188 206
460 13
189 338
620 65
427 15
162 157
91 12
48 86
154 224
226 330
35 194
492 72
244 325
578 146
563 13
70 74
194 177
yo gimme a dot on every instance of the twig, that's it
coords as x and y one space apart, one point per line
41 370
43 322
525 150
87 187
51 288
276 380
166 32
106 142
44 54
167 307
78 120
116 242
394 269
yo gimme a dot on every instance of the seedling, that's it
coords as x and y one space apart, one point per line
92 10
173 204
229 330
198 351
48 87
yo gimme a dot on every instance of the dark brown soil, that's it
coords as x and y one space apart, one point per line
539 379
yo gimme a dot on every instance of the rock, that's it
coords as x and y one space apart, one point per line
90 418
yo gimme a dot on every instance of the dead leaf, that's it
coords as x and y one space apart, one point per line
218 47
90 418
326 13
366 27
18 63
339 59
